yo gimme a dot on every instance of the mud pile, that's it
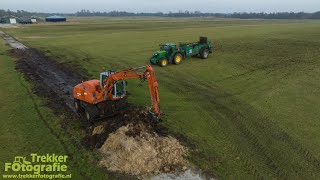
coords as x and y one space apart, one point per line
134 143
146 154
138 116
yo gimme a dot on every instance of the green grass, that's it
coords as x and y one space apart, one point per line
251 109
28 126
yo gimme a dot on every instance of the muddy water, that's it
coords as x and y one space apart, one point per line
12 42
188 174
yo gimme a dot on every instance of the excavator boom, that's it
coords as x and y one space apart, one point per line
132 73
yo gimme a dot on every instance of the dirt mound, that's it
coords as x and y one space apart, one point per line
143 121
146 154
134 142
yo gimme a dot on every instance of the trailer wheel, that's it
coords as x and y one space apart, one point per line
177 58
204 53
78 106
91 112
163 62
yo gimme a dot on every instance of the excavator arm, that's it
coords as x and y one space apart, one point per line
133 73
153 89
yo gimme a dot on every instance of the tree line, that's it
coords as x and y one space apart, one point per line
278 15
244 15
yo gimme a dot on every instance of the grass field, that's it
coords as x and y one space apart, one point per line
251 109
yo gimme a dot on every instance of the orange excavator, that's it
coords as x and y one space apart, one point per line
107 96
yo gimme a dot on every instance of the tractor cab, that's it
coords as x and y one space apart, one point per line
169 48
119 88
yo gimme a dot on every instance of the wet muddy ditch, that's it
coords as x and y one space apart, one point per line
132 142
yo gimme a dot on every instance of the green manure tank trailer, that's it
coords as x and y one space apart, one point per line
169 53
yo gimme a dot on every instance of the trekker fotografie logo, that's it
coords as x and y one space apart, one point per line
49 166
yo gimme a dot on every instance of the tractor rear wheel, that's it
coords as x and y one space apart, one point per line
177 58
163 62
91 112
78 106
204 53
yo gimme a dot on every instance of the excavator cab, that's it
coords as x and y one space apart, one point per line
119 88
104 76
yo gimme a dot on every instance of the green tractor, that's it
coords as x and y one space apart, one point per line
169 53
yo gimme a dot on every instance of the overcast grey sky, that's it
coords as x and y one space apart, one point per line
163 5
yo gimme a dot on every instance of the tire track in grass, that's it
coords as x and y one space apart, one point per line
281 134
278 133
274 158
235 149
251 133
239 130
249 166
